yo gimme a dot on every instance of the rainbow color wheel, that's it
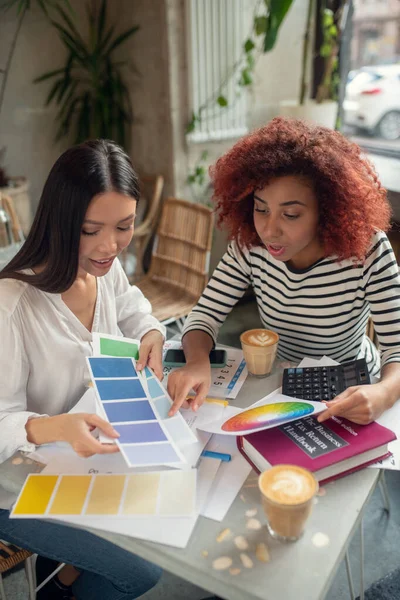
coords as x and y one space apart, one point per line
268 415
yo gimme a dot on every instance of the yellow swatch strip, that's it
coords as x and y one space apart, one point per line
177 493
35 495
105 496
71 494
141 494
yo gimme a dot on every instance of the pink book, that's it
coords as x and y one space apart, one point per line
330 449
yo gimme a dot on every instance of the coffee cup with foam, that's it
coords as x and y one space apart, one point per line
287 493
259 349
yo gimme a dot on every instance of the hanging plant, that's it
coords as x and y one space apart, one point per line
265 26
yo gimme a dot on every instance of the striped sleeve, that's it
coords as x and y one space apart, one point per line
230 280
382 290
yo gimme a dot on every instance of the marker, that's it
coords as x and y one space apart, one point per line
219 455
213 400
217 401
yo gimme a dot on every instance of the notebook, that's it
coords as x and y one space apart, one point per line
330 449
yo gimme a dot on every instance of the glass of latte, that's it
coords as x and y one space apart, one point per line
287 494
259 349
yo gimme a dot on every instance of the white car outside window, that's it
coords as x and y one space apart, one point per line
372 100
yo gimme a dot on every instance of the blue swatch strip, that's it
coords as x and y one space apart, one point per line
156 454
120 389
136 433
118 412
112 367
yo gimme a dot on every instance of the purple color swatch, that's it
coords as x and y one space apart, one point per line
118 412
137 433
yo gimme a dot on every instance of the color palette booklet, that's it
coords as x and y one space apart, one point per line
173 530
137 406
123 495
271 411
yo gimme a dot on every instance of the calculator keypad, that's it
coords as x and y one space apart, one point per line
323 383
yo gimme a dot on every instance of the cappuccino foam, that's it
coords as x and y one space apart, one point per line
288 484
259 337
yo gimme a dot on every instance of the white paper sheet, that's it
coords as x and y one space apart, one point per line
391 419
205 413
229 479
173 531
227 381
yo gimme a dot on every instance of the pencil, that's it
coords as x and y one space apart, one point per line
213 400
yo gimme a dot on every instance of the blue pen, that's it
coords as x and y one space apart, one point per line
220 455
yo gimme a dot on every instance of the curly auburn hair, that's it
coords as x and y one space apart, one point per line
352 202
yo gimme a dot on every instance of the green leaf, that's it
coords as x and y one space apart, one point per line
277 13
248 45
222 101
69 22
7 5
325 50
106 40
245 78
204 155
72 43
250 61
53 91
327 18
260 25
48 75
102 19
122 38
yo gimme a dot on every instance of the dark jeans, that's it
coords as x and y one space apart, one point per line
108 572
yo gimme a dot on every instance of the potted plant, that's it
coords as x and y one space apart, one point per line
89 89
322 108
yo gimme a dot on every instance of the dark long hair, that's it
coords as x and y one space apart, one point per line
81 173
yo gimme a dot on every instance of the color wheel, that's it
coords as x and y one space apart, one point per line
267 415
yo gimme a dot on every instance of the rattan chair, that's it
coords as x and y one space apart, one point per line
10 557
151 192
180 260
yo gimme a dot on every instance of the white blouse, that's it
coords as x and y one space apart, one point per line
43 346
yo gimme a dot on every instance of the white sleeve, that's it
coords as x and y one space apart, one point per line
133 309
14 372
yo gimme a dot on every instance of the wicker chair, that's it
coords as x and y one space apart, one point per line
180 260
151 188
10 557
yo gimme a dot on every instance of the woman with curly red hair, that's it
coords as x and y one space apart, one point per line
306 215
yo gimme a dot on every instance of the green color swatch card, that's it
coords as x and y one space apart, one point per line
109 345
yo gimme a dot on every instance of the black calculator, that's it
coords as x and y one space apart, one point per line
324 383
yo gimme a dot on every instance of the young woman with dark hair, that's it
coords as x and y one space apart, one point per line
65 283
306 215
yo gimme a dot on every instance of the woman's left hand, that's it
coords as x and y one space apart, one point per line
361 404
150 352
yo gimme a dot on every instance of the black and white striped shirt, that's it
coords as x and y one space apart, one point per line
321 310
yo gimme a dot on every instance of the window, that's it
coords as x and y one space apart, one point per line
217 31
371 105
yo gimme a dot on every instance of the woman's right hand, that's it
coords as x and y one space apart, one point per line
75 429
194 375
